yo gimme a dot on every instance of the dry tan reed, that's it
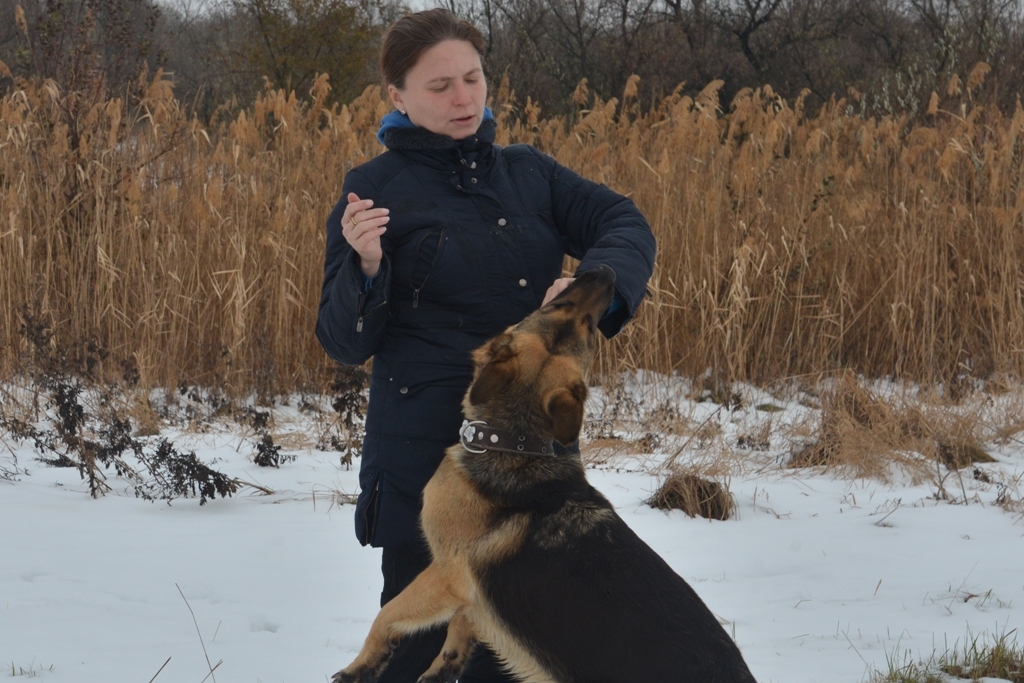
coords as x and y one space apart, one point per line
196 253
793 246
788 244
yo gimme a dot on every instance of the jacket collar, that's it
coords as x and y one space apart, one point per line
397 131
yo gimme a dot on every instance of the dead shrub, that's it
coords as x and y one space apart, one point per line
957 455
867 433
759 439
694 495
601 451
605 451
858 430
954 439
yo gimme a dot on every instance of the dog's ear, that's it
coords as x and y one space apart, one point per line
496 370
565 407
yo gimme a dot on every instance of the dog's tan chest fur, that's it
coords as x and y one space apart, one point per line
454 515
457 520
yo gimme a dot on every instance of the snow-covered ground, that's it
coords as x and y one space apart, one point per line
818 577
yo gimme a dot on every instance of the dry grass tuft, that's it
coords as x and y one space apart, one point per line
606 450
143 416
957 455
694 495
603 450
858 431
977 658
866 432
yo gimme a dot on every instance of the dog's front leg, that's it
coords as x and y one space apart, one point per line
427 601
458 645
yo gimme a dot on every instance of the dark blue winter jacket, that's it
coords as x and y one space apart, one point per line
477 234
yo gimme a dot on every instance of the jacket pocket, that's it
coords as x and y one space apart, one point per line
368 511
428 403
419 376
428 254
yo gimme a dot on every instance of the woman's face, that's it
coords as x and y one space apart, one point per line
445 92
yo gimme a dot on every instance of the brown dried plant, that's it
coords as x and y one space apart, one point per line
694 494
789 245
866 433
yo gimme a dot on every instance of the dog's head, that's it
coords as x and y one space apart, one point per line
533 377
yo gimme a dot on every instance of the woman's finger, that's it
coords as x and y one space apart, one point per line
366 236
364 221
355 205
362 227
556 288
353 214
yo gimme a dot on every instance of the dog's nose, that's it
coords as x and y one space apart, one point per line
599 281
601 273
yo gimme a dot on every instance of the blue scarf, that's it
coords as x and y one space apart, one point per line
397 119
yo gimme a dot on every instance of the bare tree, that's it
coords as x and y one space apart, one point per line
81 43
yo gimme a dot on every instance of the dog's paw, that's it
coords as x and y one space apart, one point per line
446 668
355 673
354 676
443 676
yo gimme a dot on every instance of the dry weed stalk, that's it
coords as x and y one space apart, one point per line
788 244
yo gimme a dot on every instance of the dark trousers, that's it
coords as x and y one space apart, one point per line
415 653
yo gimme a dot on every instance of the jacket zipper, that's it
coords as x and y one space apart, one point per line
375 502
362 314
441 239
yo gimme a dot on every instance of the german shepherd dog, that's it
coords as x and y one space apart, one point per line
527 556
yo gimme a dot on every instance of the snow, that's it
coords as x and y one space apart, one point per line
819 577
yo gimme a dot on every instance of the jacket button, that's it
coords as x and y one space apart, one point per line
473 165
502 222
522 283
404 390
472 180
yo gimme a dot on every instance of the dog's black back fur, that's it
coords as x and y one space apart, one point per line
591 600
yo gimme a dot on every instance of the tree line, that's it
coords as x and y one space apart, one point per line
884 56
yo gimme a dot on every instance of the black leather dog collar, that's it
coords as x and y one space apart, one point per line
477 437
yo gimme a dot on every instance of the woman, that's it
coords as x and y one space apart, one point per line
436 245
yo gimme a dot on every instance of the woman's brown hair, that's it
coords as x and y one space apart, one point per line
412 35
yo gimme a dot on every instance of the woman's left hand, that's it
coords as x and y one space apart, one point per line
556 288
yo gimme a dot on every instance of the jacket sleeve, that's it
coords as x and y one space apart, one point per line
602 227
353 315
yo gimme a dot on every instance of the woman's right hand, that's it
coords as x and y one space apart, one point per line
362 227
